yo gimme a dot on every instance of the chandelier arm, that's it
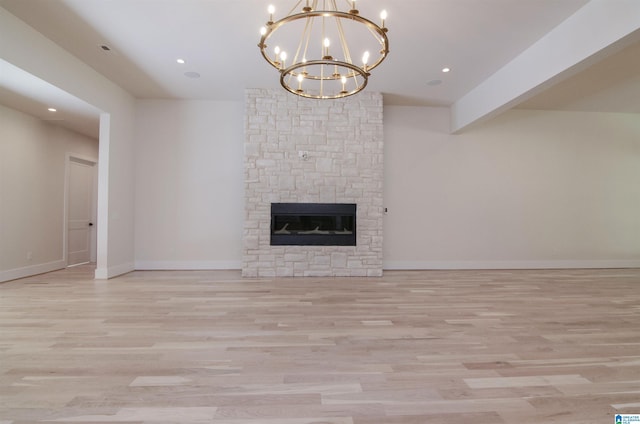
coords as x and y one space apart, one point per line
321 80
355 81
376 35
381 38
343 41
304 40
323 33
383 52
306 45
324 7
295 7
380 35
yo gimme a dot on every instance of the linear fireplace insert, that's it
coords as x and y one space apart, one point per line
316 224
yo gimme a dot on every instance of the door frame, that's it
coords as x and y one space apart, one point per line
91 161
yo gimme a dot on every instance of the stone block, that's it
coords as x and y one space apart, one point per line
300 266
251 242
354 263
358 272
349 172
339 260
317 139
284 272
266 163
295 257
286 182
324 165
266 273
321 260
328 195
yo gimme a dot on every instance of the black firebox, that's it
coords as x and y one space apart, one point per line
316 224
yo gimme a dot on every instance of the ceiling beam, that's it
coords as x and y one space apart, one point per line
598 29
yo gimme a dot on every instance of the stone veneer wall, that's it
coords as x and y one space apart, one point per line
343 141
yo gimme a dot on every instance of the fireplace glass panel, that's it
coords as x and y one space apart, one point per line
302 224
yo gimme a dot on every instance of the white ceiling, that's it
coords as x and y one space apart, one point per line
25 92
218 39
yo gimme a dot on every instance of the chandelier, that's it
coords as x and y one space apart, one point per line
312 48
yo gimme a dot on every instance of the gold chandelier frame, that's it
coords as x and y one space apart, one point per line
331 77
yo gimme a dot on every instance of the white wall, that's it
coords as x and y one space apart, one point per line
528 189
32 181
189 207
29 50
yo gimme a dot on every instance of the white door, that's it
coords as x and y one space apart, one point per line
80 211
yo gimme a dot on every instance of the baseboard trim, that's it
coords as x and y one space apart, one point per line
28 271
187 265
113 271
462 265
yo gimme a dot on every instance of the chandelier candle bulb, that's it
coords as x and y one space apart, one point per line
300 78
276 51
383 16
271 11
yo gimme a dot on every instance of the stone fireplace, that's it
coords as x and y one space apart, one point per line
318 152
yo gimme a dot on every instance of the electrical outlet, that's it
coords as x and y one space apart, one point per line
29 256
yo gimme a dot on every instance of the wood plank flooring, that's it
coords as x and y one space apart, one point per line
556 346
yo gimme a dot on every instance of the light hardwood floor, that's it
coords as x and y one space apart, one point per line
408 348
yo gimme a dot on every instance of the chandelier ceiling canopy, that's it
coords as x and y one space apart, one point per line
323 52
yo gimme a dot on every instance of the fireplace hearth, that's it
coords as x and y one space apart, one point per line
313 224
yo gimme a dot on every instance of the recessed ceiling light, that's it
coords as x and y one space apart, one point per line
106 49
192 74
445 70
180 61
52 109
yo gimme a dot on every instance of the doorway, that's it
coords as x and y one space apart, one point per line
80 234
